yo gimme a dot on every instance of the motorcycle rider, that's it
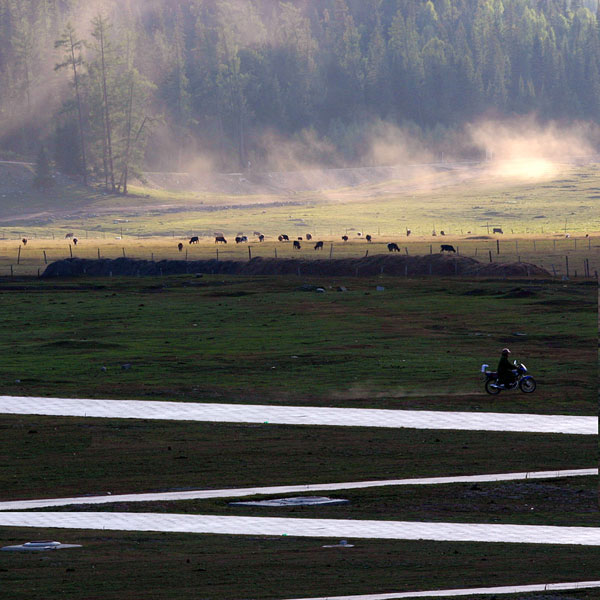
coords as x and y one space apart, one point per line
506 370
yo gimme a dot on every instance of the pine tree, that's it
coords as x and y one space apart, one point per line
42 179
72 45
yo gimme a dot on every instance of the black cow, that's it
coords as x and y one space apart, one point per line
497 230
180 246
393 247
238 239
296 245
408 232
369 238
299 239
24 240
447 248
319 246
283 238
308 237
442 232
345 238
75 240
261 238
220 238
194 240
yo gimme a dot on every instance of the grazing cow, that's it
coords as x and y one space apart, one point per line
447 248
194 240
180 246
283 238
345 238
319 246
75 240
369 238
299 239
296 245
497 230
434 234
69 235
568 235
442 232
408 232
393 247
220 238
24 240
238 240
308 237
261 238
359 233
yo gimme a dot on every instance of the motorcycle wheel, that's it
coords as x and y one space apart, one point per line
527 385
491 390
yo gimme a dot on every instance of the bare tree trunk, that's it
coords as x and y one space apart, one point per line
128 144
111 172
81 137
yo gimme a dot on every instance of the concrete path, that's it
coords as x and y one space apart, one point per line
513 589
286 489
299 415
326 528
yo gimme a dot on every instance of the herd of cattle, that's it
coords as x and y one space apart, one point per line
240 239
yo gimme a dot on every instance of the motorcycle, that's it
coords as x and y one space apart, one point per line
526 383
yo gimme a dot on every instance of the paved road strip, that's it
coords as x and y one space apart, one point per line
512 589
320 528
286 489
299 415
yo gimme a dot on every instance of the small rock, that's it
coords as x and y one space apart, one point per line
103 368
380 288
320 290
126 366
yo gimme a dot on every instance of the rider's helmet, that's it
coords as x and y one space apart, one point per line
505 351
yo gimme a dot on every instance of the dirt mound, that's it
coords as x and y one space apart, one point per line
379 264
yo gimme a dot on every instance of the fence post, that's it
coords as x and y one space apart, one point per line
554 270
331 250
218 254
249 253
71 250
490 252
98 253
430 248
11 270
497 246
45 258
19 256
366 254
567 264
275 252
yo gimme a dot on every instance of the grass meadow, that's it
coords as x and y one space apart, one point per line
418 344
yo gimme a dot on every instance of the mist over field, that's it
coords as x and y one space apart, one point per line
106 91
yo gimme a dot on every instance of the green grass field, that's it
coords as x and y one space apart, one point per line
129 566
417 345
